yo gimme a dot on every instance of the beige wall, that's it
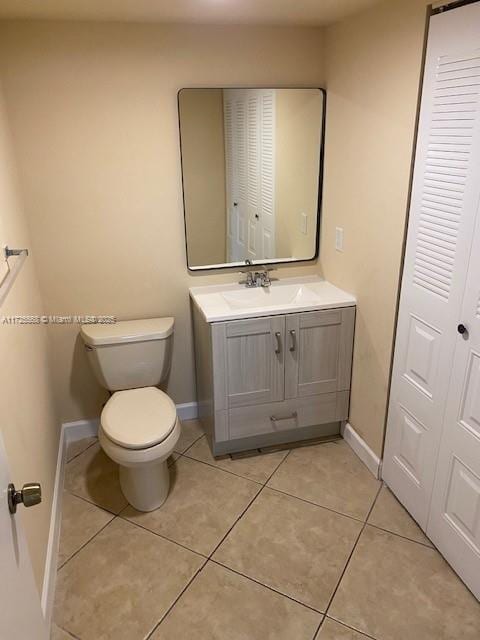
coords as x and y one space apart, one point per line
373 69
29 425
94 115
298 131
203 162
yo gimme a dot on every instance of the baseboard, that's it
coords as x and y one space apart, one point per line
187 410
50 573
363 451
80 429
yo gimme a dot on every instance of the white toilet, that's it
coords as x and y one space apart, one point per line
139 426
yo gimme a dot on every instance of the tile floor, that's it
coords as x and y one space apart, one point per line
292 545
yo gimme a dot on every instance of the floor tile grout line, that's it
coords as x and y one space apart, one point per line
238 475
213 466
344 624
246 509
236 521
289 451
181 453
352 552
157 625
85 544
315 504
266 586
69 633
399 535
95 504
317 631
67 461
162 536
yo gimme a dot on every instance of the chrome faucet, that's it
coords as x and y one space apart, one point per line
257 279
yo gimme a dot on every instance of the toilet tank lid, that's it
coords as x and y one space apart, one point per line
127 331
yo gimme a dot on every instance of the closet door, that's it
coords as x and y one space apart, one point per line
454 523
445 195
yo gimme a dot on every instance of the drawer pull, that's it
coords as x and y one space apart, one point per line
278 348
293 337
292 416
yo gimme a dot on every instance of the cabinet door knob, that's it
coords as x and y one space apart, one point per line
462 329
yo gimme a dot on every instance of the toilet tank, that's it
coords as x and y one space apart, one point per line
131 353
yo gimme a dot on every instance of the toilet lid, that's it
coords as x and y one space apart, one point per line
138 418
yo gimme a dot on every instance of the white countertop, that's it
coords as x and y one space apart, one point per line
218 303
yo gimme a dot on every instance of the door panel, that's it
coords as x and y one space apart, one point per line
318 352
454 523
445 194
21 616
250 356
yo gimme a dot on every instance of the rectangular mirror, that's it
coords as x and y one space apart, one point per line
252 175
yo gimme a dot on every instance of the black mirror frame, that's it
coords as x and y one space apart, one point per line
282 262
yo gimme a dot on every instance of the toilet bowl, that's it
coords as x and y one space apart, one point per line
139 429
139 426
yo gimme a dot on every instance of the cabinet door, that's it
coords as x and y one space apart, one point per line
318 352
249 361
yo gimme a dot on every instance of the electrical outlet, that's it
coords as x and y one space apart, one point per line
303 223
339 238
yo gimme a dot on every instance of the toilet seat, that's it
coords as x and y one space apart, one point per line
139 418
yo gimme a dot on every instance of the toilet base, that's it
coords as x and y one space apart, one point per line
145 487
144 477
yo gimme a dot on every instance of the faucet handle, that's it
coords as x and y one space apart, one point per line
265 278
250 280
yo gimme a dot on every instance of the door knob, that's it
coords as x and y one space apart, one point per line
29 496
462 329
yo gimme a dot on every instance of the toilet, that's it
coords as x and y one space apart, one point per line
139 426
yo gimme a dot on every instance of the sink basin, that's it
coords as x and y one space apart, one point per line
290 295
270 297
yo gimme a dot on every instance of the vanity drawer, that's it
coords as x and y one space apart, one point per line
287 415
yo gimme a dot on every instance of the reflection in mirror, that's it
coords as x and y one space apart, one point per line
251 163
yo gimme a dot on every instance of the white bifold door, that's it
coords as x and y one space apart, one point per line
432 450
249 124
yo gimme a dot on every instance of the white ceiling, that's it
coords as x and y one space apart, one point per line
273 12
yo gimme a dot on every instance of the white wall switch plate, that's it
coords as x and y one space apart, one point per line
339 238
303 223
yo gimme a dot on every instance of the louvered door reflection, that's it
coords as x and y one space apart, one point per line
249 126
266 230
445 193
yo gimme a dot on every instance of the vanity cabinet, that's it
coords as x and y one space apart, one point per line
271 380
